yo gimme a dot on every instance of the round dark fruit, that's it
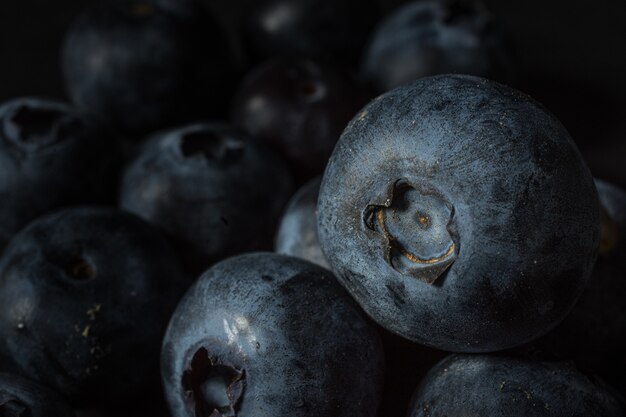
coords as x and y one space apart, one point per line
214 191
85 297
459 214
478 385
431 37
269 335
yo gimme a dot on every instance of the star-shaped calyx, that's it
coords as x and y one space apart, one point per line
416 226
213 387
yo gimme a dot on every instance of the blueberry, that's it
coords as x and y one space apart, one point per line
50 157
297 233
331 30
85 296
269 335
594 333
300 107
468 385
147 64
20 397
214 191
430 37
459 214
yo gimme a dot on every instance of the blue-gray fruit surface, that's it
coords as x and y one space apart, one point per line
51 156
479 385
264 335
459 214
214 191
20 397
430 37
297 233
85 297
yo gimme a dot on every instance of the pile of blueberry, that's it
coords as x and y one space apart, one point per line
448 252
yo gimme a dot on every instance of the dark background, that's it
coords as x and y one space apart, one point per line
571 56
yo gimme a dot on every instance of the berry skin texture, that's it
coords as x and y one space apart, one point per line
143 65
297 233
299 107
214 191
269 335
85 296
459 214
20 397
478 385
50 157
431 37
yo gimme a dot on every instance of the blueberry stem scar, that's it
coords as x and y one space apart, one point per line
410 256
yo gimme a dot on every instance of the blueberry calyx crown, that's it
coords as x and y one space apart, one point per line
33 126
311 90
10 407
74 264
416 226
211 146
81 270
213 386
306 82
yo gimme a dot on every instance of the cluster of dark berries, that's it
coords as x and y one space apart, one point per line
438 210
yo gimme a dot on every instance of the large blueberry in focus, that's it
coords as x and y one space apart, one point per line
20 397
430 37
459 214
50 157
332 30
147 64
468 385
264 335
594 333
297 233
85 297
215 192
300 107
